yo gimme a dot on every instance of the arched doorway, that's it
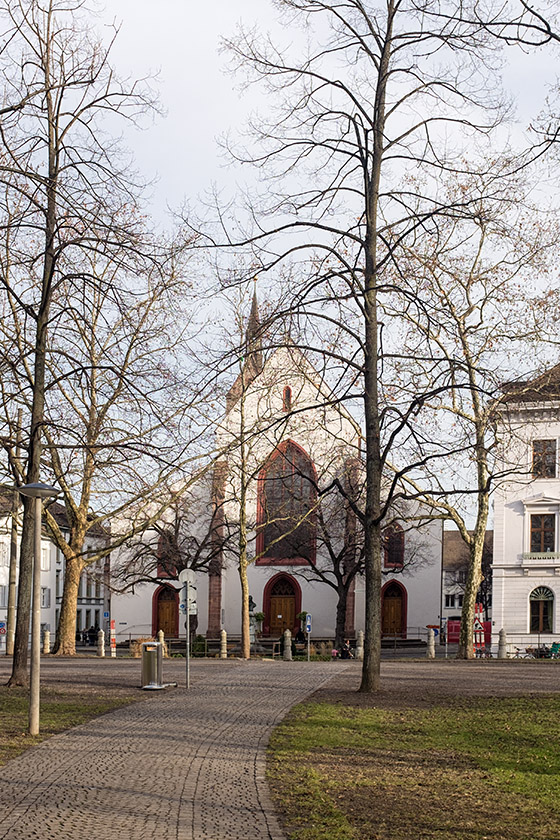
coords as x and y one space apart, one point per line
281 604
393 609
165 611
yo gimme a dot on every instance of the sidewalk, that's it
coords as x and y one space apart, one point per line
178 766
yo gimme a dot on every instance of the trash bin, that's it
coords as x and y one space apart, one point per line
152 665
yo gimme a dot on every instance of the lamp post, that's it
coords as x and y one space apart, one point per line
38 492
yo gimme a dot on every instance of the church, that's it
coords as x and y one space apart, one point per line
286 483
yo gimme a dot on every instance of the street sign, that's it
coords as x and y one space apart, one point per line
105 615
2 628
308 623
187 576
478 627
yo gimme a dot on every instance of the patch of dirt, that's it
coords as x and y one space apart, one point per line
421 684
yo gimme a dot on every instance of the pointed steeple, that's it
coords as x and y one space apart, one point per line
252 355
253 340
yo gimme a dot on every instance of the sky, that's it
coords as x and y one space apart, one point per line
180 40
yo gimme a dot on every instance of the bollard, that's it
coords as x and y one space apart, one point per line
46 641
502 644
161 637
431 650
101 643
360 646
287 655
223 644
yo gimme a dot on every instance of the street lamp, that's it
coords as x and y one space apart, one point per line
38 492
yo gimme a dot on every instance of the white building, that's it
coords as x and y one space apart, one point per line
48 569
526 563
283 441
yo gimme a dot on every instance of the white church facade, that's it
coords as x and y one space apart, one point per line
289 462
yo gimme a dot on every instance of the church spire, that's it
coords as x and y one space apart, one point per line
252 354
253 339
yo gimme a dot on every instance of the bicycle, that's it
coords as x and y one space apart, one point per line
518 653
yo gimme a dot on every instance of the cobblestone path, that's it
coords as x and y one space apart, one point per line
182 766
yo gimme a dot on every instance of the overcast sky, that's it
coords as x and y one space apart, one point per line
181 39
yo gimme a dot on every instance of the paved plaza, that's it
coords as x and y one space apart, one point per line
182 765
190 765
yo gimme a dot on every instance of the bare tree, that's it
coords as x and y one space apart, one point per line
369 104
65 187
482 284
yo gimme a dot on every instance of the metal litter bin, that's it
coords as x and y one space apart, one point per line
152 665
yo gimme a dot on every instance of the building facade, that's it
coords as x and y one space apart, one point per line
289 457
526 561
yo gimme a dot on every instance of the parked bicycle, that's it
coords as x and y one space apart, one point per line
536 652
518 653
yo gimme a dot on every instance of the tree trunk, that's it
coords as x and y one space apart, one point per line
340 616
65 643
474 579
19 666
21 641
372 546
245 619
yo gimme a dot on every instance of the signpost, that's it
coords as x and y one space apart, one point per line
187 607
308 631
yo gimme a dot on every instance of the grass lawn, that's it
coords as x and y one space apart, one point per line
60 710
476 769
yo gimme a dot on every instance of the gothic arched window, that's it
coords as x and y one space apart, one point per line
393 543
287 399
287 500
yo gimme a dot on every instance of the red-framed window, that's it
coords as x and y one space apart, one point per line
393 545
287 399
287 498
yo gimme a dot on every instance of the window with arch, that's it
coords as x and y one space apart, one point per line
541 603
287 399
393 544
287 500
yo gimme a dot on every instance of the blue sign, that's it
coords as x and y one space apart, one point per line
308 623
105 615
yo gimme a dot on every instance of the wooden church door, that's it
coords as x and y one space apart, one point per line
282 607
391 621
167 612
